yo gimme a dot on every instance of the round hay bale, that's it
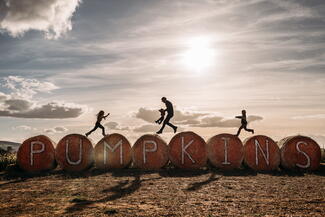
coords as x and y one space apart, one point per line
113 152
300 152
74 153
323 154
187 150
225 151
150 152
261 153
37 154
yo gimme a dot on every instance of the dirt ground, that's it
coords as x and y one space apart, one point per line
169 192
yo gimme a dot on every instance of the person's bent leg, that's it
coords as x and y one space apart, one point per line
103 129
172 126
238 132
249 130
164 124
162 128
95 128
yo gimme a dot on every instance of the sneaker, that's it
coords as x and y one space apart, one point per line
175 129
159 132
252 131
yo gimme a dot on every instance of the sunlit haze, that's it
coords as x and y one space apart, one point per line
211 59
199 55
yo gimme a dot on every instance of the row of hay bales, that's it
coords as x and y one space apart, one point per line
186 150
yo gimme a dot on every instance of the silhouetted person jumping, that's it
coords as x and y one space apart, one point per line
243 123
162 116
100 117
170 114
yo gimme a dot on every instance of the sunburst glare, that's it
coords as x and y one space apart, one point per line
200 54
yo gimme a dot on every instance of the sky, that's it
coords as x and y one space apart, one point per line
63 61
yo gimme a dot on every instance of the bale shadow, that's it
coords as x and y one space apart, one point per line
290 173
177 172
320 171
13 182
237 172
198 185
15 173
128 172
122 189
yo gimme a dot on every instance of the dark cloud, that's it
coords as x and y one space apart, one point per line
52 110
215 121
181 117
17 104
53 17
191 119
147 115
60 129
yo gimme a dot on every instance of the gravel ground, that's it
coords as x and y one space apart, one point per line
169 192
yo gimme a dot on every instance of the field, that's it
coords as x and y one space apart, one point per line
169 192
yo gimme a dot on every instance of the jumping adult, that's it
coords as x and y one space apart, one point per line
170 113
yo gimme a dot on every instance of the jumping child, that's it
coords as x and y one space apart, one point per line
243 123
100 117
162 116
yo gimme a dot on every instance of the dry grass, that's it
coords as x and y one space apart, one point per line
168 192
6 160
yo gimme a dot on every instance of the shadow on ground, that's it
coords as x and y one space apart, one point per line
122 189
17 175
198 185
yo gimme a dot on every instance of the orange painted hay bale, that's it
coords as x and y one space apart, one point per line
261 153
150 152
37 154
187 150
74 153
113 152
300 152
225 151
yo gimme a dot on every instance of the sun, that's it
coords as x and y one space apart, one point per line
200 55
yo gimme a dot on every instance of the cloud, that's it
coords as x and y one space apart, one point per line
3 96
115 126
252 118
27 88
24 127
19 102
150 128
315 116
147 115
146 128
180 117
52 110
215 121
56 130
190 118
53 17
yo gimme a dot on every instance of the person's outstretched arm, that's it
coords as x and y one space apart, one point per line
240 117
106 116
